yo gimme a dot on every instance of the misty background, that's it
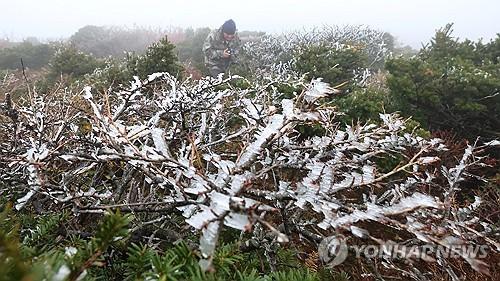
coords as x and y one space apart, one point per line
411 22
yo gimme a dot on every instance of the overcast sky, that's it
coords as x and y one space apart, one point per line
412 22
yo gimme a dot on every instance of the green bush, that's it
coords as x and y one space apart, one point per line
68 60
450 85
334 65
159 57
363 104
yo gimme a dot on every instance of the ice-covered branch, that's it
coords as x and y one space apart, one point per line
223 156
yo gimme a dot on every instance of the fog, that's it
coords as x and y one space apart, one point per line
411 22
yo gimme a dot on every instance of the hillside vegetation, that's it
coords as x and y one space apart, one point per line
135 166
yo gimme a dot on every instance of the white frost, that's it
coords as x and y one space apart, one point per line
254 149
62 273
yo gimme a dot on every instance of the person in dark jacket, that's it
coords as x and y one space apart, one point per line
221 48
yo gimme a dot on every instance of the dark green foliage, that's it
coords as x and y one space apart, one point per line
335 66
40 257
363 104
103 256
249 276
138 262
44 231
34 55
112 230
387 163
240 84
450 85
165 268
366 104
114 226
68 60
22 262
228 259
288 91
159 57
11 263
310 130
294 275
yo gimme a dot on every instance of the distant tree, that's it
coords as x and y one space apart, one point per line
159 57
70 61
405 50
389 41
103 41
33 55
92 39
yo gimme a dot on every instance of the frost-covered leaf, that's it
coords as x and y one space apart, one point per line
275 124
428 160
318 89
208 242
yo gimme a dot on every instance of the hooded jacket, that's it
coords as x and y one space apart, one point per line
214 47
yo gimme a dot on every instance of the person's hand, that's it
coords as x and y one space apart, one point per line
226 54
